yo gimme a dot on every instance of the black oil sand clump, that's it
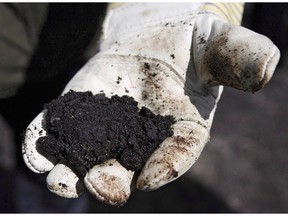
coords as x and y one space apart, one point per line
86 129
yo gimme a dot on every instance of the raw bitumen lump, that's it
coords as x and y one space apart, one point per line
86 129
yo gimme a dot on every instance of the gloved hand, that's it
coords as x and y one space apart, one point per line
173 59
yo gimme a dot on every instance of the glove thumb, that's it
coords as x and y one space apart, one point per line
234 56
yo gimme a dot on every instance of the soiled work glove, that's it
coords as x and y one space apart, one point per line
173 59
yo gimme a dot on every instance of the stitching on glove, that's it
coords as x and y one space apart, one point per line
27 156
151 23
27 159
104 198
66 192
136 60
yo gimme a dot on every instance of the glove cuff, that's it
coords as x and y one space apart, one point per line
230 12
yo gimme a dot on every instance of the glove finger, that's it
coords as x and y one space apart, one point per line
109 182
174 156
34 160
237 57
62 181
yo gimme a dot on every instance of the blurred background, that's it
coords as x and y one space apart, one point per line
243 169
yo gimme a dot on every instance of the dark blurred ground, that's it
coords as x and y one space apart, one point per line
246 162
243 169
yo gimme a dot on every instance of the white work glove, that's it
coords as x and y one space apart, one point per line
172 59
